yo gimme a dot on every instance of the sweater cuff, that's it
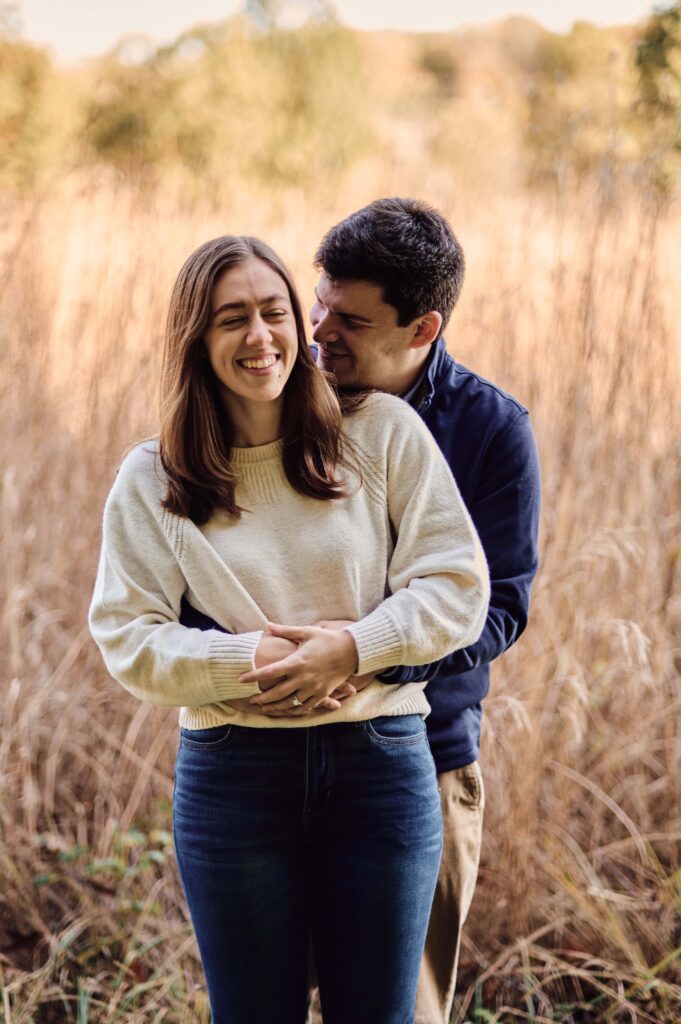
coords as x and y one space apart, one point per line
378 642
229 656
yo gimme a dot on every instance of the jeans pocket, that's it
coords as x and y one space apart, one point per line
396 730
215 738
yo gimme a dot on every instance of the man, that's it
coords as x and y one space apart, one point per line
391 275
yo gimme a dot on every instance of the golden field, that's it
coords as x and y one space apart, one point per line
570 303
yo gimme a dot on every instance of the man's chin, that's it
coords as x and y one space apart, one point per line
340 368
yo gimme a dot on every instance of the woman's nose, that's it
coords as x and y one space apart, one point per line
258 332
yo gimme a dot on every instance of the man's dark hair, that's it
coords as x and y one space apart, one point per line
404 246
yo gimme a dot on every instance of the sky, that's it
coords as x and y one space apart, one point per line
73 29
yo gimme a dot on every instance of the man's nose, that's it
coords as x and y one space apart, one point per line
316 313
323 326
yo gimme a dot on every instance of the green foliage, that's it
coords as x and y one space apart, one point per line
440 63
658 59
280 107
579 105
123 117
26 79
254 102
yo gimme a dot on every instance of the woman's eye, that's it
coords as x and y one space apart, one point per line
275 314
234 321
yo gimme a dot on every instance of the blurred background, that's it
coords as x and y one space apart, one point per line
553 145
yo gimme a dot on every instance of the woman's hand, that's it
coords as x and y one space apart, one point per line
358 682
321 664
272 649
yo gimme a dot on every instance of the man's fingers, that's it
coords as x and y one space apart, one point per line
344 690
283 709
334 623
277 693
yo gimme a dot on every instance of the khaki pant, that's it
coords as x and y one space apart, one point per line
463 802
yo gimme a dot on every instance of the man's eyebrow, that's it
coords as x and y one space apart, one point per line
347 316
277 297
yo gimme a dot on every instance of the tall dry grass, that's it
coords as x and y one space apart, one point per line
572 305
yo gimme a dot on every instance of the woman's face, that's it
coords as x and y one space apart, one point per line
251 339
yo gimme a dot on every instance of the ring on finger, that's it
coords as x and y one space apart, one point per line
296 702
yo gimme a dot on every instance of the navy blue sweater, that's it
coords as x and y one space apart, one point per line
486 437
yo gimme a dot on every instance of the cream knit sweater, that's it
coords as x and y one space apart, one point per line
400 555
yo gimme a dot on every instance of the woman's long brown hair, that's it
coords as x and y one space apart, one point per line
196 432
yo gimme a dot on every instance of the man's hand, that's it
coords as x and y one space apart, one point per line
322 663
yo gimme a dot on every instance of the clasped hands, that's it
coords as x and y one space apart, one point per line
311 665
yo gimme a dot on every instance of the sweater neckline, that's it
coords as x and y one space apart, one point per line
258 453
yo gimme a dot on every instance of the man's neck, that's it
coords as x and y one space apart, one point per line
413 373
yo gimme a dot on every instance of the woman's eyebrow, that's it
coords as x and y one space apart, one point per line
277 297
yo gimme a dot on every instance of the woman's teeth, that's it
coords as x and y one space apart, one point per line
258 364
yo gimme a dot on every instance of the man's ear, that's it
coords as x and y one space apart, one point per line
427 329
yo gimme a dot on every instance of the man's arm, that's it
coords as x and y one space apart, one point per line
506 515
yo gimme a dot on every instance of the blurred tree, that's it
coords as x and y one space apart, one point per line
269 15
225 103
123 116
440 63
316 119
579 104
32 134
658 58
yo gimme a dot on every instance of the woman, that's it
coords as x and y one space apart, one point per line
262 501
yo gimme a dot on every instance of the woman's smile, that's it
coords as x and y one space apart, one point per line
259 366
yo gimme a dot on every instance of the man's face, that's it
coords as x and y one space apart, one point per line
358 336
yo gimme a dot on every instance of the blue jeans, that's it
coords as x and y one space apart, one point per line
330 834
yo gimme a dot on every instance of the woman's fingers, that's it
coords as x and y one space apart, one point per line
270 673
299 634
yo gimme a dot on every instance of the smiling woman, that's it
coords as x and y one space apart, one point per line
234 300
263 501
252 343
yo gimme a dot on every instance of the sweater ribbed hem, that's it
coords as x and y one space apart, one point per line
378 642
376 700
229 657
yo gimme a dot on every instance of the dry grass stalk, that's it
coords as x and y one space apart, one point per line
568 305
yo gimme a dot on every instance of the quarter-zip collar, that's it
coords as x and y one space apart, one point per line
420 395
